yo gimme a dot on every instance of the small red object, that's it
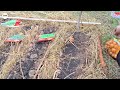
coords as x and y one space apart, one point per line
31 44
17 22
13 40
117 13
46 39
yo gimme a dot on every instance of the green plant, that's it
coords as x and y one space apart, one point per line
114 22
106 37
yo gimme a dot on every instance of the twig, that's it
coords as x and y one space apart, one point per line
9 53
78 26
78 23
21 70
17 73
68 64
69 75
86 57
78 29
8 76
54 75
74 45
42 61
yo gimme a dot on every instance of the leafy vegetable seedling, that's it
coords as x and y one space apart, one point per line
19 38
11 23
46 37
15 38
115 18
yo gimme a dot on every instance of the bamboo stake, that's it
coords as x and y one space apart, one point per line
50 20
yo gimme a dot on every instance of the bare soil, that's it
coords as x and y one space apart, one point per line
72 58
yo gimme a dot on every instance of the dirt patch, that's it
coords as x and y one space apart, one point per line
5 53
72 58
29 63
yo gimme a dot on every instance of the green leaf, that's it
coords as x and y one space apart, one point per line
47 35
17 37
115 22
11 22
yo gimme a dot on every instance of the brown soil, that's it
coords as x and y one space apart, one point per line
72 58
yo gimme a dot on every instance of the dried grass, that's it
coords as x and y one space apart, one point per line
93 69
51 64
16 53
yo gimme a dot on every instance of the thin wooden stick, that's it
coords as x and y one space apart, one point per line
74 45
54 75
21 70
51 20
8 76
69 75
42 61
